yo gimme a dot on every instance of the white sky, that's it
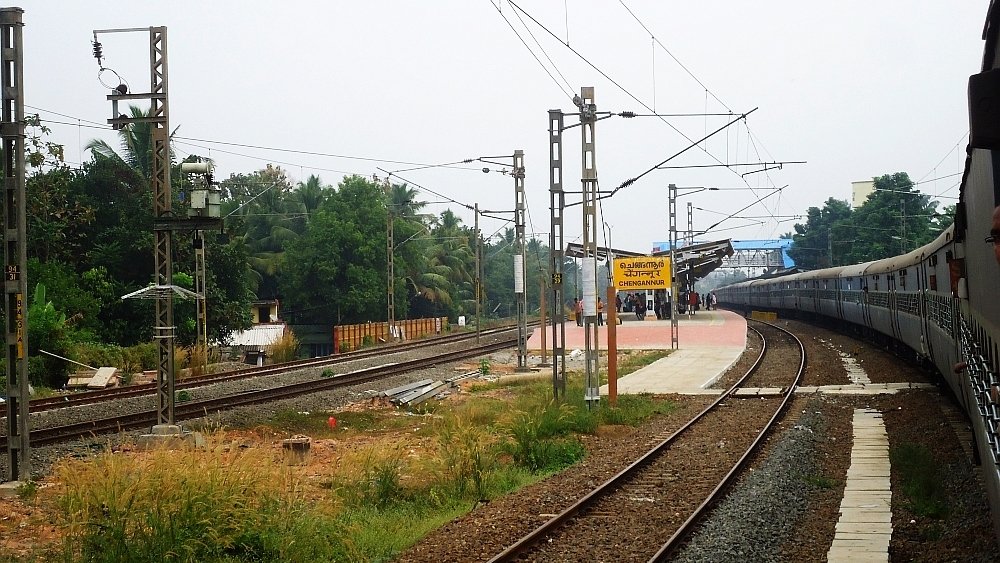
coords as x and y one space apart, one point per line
857 89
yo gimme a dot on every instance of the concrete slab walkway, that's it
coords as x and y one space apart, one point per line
865 526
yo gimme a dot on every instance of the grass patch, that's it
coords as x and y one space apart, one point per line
235 503
820 481
628 363
212 504
918 473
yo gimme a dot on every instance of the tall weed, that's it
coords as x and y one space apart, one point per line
286 349
468 458
217 503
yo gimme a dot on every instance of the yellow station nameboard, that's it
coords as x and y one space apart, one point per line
644 272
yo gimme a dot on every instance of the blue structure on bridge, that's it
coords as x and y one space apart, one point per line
752 256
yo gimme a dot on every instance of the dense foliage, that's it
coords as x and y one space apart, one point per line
322 250
895 219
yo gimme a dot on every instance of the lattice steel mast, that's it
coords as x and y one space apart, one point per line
163 216
588 119
15 246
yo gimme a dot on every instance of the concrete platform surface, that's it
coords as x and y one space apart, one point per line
709 342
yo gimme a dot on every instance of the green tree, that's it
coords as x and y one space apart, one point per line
261 208
823 228
894 220
49 331
136 154
335 272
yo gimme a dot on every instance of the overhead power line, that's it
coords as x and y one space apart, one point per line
270 148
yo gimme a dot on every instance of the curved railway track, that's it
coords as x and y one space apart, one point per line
196 409
668 488
115 393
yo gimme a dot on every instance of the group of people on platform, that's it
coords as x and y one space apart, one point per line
578 311
694 301
636 303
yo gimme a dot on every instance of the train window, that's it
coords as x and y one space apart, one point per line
933 260
933 282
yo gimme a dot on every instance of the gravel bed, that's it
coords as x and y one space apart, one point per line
764 508
785 508
42 457
487 530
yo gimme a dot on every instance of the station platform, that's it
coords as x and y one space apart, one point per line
709 342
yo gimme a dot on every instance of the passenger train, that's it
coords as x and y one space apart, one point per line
942 301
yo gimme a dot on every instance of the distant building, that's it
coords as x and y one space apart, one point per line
860 192
254 344
264 311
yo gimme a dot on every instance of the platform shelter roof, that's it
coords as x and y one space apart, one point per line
700 258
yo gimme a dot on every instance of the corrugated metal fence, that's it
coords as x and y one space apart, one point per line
347 338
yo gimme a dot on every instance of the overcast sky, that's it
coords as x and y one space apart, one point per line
855 89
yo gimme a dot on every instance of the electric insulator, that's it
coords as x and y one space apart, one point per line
98 52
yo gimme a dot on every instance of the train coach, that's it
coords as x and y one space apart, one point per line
940 301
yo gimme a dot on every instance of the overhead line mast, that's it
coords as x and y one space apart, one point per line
15 244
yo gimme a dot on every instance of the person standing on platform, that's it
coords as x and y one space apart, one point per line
640 310
578 310
618 303
714 301
600 312
692 302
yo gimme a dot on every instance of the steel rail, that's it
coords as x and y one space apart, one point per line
101 395
685 528
196 409
513 551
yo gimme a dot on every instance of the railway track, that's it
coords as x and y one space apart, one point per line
196 409
667 490
115 393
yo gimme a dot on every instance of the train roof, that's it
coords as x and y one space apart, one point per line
855 269
825 273
911 258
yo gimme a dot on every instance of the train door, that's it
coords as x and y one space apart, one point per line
838 296
922 291
890 280
866 308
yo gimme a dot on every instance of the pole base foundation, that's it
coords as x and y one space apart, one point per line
169 436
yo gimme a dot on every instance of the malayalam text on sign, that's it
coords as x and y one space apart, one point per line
644 272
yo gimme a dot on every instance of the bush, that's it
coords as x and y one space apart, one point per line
537 443
380 483
128 360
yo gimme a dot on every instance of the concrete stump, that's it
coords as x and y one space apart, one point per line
296 450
